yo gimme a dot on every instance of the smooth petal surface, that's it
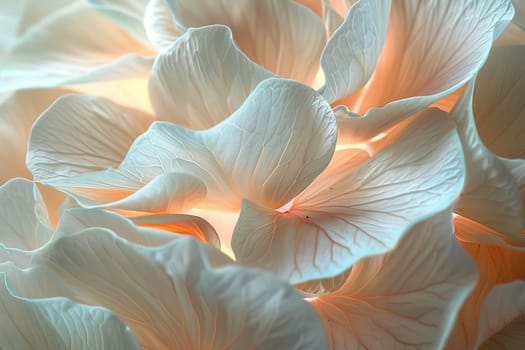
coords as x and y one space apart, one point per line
491 195
421 62
159 25
258 153
350 56
77 55
499 109
59 324
284 37
203 78
347 214
404 299
80 134
179 301
127 13
502 317
24 223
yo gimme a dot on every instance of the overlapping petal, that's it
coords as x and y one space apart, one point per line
127 13
79 134
18 111
159 25
487 310
347 214
421 63
284 37
491 195
351 54
407 298
72 56
258 153
502 317
177 301
203 78
24 223
498 105
59 324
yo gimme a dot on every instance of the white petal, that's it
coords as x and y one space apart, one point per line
498 102
127 13
59 324
159 25
172 299
347 214
258 153
422 61
350 56
407 298
82 134
491 195
47 55
502 317
18 111
23 216
203 78
284 37
154 230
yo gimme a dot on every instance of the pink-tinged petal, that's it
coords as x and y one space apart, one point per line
47 55
423 61
159 25
258 153
23 216
80 134
502 317
348 214
407 298
491 195
203 78
350 56
284 37
129 14
177 301
499 110
498 264
18 111
58 324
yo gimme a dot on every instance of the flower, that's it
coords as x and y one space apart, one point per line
341 196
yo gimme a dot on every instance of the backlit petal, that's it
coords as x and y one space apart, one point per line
47 55
407 298
203 78
127 13
491 195
350 56
432 48
284 37
177 301
499 110
347 214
